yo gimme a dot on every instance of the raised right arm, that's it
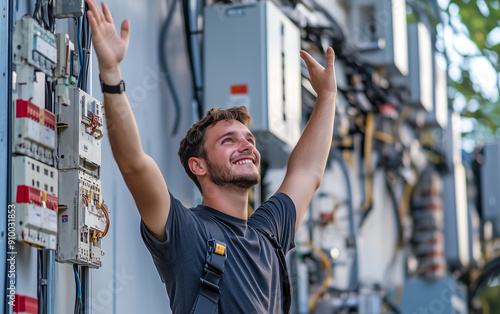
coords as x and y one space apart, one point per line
140 172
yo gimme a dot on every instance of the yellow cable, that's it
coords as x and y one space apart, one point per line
369 130
325 263
384 137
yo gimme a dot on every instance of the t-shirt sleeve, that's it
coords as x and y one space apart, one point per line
180 220
278 215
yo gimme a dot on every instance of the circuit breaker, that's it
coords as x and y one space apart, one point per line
378 28
33 48
251 58
35 192
80 128
83 219
66 71
34 131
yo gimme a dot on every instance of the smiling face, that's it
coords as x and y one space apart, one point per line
231 156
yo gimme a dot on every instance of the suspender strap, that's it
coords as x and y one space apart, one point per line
208 297
287 290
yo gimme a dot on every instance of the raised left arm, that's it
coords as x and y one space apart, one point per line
307 161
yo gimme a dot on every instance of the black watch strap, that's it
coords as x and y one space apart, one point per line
112 89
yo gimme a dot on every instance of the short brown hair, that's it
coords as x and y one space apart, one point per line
192 145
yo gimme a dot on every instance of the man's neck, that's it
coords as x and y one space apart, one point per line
227 200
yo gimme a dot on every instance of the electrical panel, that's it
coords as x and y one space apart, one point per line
83 219
80 128
490 180
456 231
251 58
378 28
35 47
35 191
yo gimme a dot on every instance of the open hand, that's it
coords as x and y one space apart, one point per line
109 47
322 78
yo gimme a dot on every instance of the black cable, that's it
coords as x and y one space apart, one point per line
198 88
78 296
391 306
491 269
164 65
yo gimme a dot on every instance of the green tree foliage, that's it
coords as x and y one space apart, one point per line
473 90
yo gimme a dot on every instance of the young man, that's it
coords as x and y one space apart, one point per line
220 155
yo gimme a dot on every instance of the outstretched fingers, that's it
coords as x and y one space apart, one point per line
310 62
106 12
330 59
125 30
95 11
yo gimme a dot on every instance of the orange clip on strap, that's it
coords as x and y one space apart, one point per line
219 249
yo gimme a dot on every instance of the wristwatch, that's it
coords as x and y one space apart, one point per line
112 89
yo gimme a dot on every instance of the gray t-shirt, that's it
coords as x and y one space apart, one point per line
251 282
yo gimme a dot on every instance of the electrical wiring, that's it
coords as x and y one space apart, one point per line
105 211
368 146
192 14
86 200
43 14
78 297
40 294
164 65
327 266
96 124
91 122
84 39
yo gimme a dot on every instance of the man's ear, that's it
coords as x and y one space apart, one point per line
197 166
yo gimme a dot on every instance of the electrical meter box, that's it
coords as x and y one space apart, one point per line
80 129
81 219
490 180
378 28
456 231
251 58
419 81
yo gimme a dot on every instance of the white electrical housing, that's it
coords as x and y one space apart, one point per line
35 190
34 131
456 229
251 58
82 220
68 8
440 112
419 81
80 129
378 28
66 71
33 48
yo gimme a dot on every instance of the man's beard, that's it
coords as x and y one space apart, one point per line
223 177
